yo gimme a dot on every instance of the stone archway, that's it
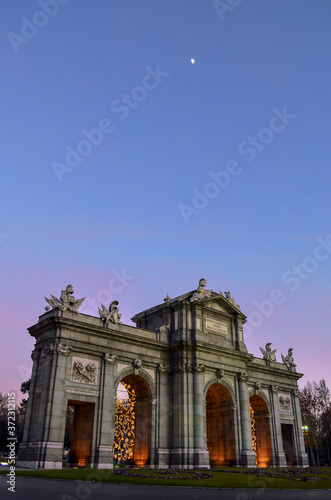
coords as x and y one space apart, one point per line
82 432
220 426
260 421
132 436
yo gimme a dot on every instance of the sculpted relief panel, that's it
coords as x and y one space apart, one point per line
84 371
284 402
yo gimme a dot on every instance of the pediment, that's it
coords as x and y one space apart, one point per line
215 305
221 304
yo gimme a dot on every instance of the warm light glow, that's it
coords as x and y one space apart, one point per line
253 426
124 422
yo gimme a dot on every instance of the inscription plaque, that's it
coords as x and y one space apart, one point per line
216 326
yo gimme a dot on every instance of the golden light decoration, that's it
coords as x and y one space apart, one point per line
253 427
124 423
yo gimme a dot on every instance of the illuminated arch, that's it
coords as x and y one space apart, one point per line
260 422
220 424
133 420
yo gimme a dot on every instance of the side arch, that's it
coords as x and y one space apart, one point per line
260 424
253 392
141 373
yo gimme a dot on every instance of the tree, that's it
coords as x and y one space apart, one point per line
3 421
315 402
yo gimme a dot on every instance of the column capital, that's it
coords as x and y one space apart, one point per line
243 377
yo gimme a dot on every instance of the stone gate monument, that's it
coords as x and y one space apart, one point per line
178 390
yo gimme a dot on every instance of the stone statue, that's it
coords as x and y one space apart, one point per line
66 302
288 360
200 292
110 315
164 329
268 355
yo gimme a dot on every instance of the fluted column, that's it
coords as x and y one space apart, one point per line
278 440
301 452
105 439
163 416
247 453
201 454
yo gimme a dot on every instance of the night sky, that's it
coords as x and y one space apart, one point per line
130 173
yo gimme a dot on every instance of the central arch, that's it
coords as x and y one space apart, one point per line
133 416
220 426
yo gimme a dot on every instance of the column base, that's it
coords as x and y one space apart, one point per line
303 460
281 460
40 455
104 457
182 458
201 459
189 458
162 456
248 459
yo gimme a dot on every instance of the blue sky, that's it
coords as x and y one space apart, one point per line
120 209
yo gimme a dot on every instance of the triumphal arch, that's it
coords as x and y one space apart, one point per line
178 390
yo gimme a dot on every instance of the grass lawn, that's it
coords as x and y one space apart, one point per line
310 478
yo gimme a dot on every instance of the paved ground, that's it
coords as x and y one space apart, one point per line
48 489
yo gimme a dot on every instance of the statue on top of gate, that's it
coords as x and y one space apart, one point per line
111 314
200 292
268 355
66 302
289 360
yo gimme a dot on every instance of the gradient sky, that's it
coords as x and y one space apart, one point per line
262 76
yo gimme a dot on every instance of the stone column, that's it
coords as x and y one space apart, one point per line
163 414
26 457
105 438
278 440
201 454
178 455
49 407
247 453
153 433
303 460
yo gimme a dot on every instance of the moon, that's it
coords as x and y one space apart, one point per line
192 61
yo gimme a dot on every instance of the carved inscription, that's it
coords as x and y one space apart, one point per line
217 326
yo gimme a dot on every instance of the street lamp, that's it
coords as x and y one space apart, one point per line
305 430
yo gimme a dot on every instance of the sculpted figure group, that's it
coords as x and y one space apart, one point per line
68 302
270 357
